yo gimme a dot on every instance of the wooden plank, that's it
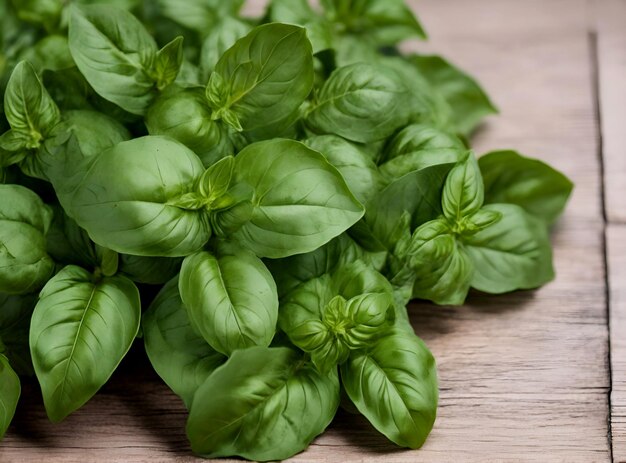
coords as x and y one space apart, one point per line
611 54
524 377
616 253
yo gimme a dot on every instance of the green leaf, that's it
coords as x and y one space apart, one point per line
28 107
299 12
531 184
216 179
80 331
185 116
442 268
149 270
15 315
221 36
262 404
463 193
126 200
181 357
24 220
418 146
10 390
300 201
384 22
417 193
198 15
231 299
469 102
39 12
115 53
356 167
49 53
514 253
167 63
268 73
67 243
361 102
394 384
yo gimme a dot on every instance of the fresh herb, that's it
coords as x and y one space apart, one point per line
286 184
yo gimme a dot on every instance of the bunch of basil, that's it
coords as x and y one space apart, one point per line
290 182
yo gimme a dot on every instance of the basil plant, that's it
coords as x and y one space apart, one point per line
254 202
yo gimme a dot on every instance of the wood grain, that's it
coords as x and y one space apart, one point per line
616 252
610 23
524 376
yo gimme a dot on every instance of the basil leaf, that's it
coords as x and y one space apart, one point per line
384 22
463 193
181 357
185 116
300 201
149 270
514 253
231 299
115 53
14 325
531 184
299 12
268 72
360 102
394 384
442 268
418 146
417 193
24 220
80 331
198 14
168 62
10 390
469 102
67 243
220 38
262 404
40 12
28 107
126 200
358 170
74 144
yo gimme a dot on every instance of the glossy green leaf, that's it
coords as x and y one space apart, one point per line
28 107
262 404
268 72
125 200
417 193
469 102
167 63
514 253
394 384
442 268
300 201
24 220
181 357
231 299
361 102
80 331
531 184
220 37
463 193
185 116
356 167
318 28
115 53
418 146
10 390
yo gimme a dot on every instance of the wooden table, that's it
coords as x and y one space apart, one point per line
531 376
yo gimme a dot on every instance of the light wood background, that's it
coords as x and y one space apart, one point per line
530 376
